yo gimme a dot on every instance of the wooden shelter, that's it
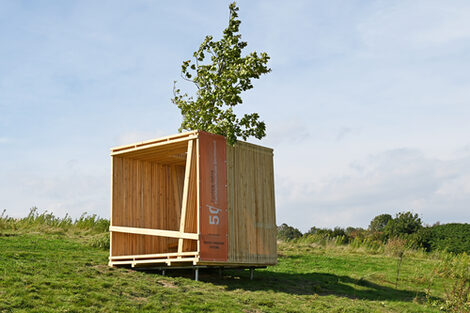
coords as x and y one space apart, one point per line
192 200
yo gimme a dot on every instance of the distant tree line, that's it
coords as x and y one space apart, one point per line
453 237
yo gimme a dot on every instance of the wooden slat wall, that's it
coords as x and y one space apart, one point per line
145 194
251 206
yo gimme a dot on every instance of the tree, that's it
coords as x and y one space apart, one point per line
404 223
379 222
219 84
452 237
286 232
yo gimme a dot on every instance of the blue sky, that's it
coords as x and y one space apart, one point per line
367 105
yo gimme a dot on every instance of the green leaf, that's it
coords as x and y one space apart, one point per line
220 83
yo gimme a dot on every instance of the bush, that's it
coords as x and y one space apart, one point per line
452 237
332 233
338 232
286 232
338 235
317 231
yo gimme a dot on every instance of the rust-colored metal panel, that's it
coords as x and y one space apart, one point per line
213 197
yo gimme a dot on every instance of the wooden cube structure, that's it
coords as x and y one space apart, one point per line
192 200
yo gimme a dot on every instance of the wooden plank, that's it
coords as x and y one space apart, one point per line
134 205
139 208
158 255
111 208
147 203
184 204
228 264
154 145
153 232
231 213
170 152
272 214
115 199
191 210
198 200
125 242
151 141
176 193
260 209
167 261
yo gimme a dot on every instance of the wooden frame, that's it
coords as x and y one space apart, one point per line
192 199
154 232
184 206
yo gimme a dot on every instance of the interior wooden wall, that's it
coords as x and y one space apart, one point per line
145 194
251 205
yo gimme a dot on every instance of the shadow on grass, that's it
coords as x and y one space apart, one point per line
317 283
304 284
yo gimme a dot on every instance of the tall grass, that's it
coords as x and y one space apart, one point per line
93 229
396 247
359 244
45 221
92 222
456 267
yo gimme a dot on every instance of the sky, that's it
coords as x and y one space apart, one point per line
367 106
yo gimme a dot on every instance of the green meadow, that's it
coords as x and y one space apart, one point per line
48 264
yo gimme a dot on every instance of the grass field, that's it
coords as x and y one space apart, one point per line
55 269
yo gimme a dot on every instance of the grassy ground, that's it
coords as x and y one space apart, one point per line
66 271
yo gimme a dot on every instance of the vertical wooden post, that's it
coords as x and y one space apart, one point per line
198 204
111 210
185 193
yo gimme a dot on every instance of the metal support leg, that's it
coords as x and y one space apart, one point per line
252 271
196 274
221 272
163 272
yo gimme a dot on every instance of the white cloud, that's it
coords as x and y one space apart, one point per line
398 27
391 181
286 132
71 189
4 140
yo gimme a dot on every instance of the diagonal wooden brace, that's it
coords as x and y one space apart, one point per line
184 204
